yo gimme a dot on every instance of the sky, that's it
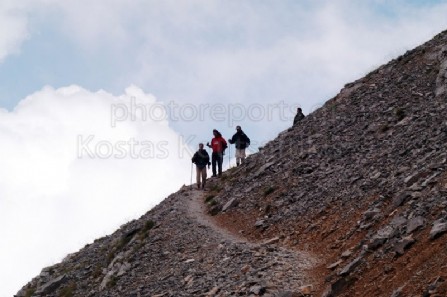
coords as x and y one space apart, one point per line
102 102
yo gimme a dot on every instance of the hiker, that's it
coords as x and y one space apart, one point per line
241 141
299 116
201 159
218 144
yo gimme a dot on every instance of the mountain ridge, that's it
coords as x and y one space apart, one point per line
362 158
360 185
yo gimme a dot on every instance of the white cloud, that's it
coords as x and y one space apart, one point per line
68 176
196 51
200 51
254 52
13 28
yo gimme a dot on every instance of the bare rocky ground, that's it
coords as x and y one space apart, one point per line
361 182
352 201
176 250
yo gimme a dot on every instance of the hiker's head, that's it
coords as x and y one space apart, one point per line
299 110
215 132
238 128
201 146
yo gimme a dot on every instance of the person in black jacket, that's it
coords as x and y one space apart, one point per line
201 159
299 116
241 141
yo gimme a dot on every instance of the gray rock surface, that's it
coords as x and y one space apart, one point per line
374 156
184 254
438 229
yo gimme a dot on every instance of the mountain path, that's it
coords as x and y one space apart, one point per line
198 211
286 262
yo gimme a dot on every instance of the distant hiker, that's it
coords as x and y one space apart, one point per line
241 141
299 116
218 144
201 159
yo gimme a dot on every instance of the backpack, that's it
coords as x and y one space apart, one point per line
224 147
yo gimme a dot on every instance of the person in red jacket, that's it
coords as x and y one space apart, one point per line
218 144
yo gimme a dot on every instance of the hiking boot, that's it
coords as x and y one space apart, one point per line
198 186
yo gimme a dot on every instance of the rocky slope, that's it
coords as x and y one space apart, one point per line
174 250
352 201
362 182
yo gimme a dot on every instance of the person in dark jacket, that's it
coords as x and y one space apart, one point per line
218 144
299 116
201 159
241 141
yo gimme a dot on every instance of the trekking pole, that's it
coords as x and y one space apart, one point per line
190 184
229 156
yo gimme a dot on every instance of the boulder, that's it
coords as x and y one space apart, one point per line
231 203
404 244
351 266
401 199
381 237
52 285
438 229
415 224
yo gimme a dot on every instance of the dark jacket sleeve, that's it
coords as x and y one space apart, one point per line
247 140
194 158
233 139
207 158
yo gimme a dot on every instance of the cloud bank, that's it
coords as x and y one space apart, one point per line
13 28
219 51
75 164
69 176
200 51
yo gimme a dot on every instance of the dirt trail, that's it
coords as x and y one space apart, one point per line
196 208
